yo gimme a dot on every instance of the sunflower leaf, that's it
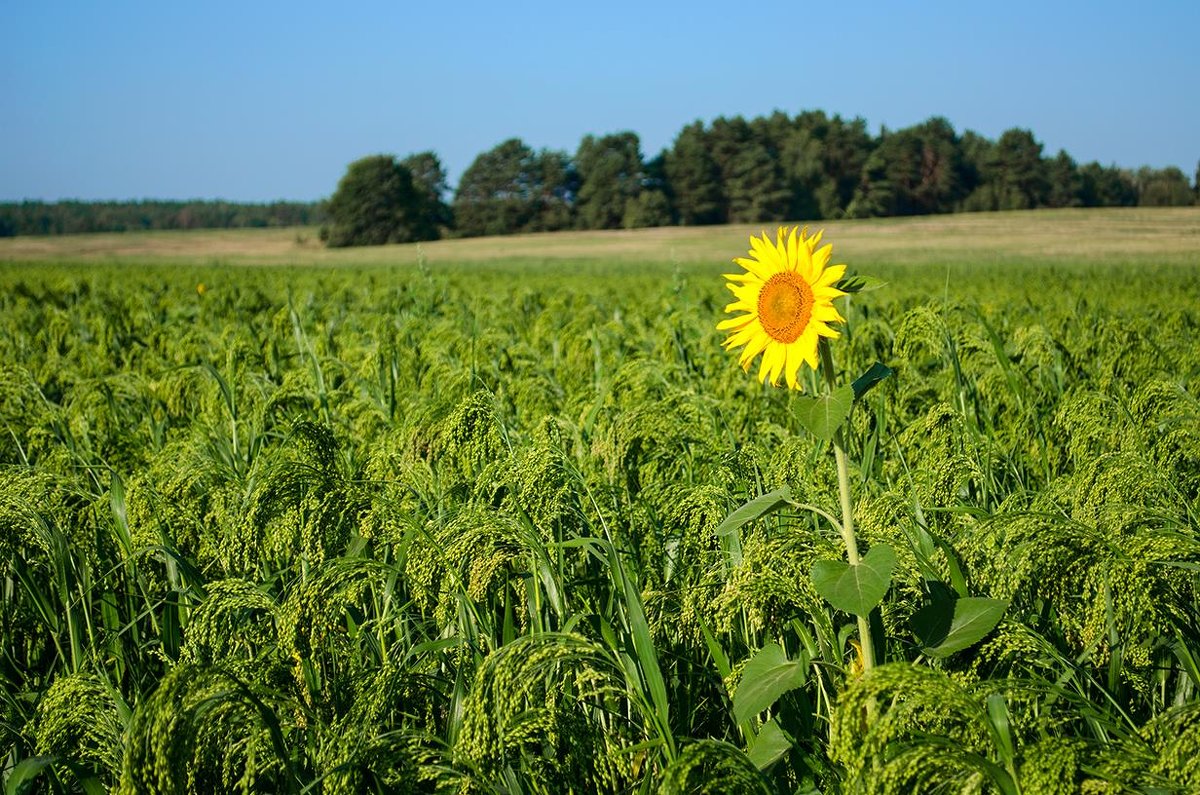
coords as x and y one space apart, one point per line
949 625
856 588
856 283
769 746
870 378
767 676
822 416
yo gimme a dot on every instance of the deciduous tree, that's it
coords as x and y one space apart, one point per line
610 176
693 177
376 202
511 188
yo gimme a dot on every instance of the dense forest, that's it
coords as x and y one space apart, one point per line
769 168
75 217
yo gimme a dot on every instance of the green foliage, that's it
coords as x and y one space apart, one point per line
1166 187
732 170
1013 174
823 416
80 720
540 715
479 530
708 767
429 180
610 176
649 208
79 217
376 202
767 676
694 177
856 588
511 188
950 625
914 171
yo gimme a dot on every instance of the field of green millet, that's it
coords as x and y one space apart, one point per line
469 518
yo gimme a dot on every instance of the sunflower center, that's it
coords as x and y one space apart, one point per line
785 305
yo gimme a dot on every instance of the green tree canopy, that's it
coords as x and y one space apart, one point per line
429 178
1163 187
693 177
610 175
1012 174
1109 186
752 180
376 202
823 161
1065 183
914 171
510 188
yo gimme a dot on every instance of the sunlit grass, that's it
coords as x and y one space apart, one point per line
1107 235
450 522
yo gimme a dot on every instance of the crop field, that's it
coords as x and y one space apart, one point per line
503 516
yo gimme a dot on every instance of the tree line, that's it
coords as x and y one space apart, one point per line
75 217
732 170
770 168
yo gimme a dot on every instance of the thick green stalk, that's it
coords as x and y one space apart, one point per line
847 528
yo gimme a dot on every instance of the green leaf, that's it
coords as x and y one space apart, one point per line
769 746
856 589
824 415
643 645
859 284
949 625
765 678
756 508
1001 728
25 774
116 499
870 378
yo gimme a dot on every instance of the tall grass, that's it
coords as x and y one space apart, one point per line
454 529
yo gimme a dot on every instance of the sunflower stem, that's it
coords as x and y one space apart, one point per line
847 527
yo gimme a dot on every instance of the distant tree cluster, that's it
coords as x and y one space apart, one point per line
385 200
73 217
773 168
769 168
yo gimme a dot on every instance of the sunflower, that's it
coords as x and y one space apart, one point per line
787 294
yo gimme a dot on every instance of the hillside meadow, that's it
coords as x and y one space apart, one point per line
500 515
1159 235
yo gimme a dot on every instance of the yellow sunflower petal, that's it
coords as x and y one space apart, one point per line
745 292
764 366
753 266
831 276
822 255
826 314
741 336
754 347
765 253
776 355
795 357
793 246
809 347
820 328
804 264
735 322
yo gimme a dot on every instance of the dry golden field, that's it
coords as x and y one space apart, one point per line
1163 235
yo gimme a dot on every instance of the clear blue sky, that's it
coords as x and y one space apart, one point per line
254 101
